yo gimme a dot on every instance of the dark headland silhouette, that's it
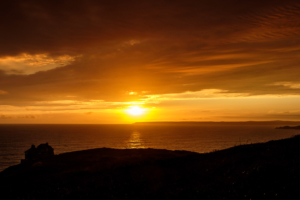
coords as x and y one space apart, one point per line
255 171
289 127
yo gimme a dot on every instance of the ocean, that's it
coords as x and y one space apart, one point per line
197 137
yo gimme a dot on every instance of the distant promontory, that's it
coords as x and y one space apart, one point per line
289 127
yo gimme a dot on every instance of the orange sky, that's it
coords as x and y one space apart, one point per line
90 61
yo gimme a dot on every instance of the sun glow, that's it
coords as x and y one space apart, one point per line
135 110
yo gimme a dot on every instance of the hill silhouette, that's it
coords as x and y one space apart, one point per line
256 171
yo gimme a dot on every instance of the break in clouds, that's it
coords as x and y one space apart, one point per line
107 50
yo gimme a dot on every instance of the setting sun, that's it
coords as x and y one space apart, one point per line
135 110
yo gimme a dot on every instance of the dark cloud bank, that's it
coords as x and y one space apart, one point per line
154 46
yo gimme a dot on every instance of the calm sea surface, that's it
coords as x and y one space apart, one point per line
197 137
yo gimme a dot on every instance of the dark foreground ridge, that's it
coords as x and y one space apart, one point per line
258 171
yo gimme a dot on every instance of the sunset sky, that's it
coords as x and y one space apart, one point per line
96 61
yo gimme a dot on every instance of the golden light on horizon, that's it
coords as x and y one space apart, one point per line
135 110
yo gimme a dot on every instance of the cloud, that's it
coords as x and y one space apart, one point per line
27 116
3 92
288 84
113 51
208 93
30 64
5 117
289 115
2 116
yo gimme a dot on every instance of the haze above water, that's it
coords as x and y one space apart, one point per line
197 137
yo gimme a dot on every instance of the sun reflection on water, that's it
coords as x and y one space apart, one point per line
135 142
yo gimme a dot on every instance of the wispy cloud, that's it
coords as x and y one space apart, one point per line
288 84
3 92
30 64
208 93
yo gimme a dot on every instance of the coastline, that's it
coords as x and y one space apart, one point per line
263 170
